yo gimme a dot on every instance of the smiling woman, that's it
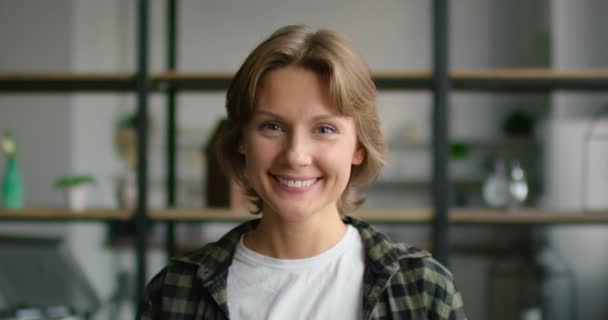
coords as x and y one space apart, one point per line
302 136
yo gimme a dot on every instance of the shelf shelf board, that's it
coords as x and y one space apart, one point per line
527 216
62 214
224 215
456 183
191 81
481 216
409 216
519 79
523 80
530 80
221 80
383 184
488 144
66 82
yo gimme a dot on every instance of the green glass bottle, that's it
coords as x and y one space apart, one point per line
12 186
12 182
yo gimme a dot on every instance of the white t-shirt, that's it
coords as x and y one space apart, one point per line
326 286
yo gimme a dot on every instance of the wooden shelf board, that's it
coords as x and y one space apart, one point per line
530 80
526 216
192 81
228 75
56 76
522 79
519 79
402 183
422 75
407 216
215 81
530 73
202 215
396 216
225 215
499 143
66 82
62 214
172 75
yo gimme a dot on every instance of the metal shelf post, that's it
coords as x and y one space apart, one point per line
441 87
141 214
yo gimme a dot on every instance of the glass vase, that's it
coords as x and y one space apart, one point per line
12 186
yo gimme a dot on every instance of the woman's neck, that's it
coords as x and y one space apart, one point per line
295 240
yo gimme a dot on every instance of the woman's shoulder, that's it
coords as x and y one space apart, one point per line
380 247
411 263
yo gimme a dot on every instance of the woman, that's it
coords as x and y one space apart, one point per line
302 136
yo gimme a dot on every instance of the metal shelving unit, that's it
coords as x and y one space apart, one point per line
441 81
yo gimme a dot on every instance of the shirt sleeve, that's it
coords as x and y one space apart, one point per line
446 302
457 307
150 305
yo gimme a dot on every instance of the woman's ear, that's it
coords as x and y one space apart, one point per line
241 149
359 155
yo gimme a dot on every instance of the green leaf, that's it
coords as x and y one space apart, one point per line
71 181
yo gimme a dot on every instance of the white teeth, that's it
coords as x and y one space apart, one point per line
296 183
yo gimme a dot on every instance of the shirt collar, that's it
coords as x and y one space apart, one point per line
382 254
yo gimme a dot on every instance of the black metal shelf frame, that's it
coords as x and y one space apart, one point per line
141 212
441 88
439 82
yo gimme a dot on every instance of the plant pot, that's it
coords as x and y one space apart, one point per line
76 197
127 191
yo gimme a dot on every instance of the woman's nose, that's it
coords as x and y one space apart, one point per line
297 153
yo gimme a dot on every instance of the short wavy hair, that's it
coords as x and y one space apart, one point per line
352 91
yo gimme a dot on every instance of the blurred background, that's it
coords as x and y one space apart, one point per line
558 139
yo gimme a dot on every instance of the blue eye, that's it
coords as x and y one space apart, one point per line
272 126
325 129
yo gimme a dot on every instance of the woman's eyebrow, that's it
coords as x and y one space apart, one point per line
321 117
328 117
266 113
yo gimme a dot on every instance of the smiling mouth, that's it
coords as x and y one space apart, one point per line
295 183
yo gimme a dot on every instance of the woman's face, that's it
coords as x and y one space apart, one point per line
298 150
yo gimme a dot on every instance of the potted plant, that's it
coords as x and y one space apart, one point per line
75 187
126 139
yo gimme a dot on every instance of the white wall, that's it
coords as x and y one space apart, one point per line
579 41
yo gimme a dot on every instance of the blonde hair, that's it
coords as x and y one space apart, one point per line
351 89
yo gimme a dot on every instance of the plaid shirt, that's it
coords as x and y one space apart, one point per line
400 282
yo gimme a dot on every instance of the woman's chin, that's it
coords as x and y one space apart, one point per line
291 214
297 213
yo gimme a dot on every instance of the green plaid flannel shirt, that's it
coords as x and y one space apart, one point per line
400 282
